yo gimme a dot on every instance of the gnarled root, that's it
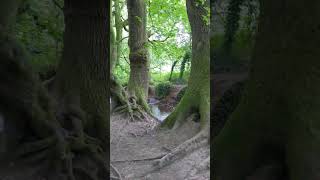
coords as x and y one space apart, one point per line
195 142
126 105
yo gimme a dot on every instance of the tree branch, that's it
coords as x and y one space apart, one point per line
160 41
123 39
57 4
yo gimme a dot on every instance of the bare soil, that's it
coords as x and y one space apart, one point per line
136 145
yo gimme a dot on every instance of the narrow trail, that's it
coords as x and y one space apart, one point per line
135 146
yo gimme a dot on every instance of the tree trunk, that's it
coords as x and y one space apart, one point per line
278 116
186 58
119 27
83 77
56 144
197 96
139 56
172 68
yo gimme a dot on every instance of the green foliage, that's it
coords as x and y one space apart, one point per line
157 78
40 27
186 59
234 48
163 89
169 31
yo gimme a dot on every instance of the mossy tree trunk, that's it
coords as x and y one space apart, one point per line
119 26
83 76
197 95
278 116
58 139
139 56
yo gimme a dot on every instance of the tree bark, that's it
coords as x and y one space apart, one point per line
139 56
119 27
278 116
63 143
172 69
197 96
186 58
83 75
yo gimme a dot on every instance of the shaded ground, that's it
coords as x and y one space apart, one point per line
223 81
135 146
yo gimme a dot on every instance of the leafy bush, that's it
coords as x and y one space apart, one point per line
156 77
179 81
181 93
163 89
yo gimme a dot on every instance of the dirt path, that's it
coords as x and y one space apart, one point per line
135 146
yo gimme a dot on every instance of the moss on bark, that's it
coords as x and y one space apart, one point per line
197 95
277 118
139 57
35 129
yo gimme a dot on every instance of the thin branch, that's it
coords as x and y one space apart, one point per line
123 39
160 41
125 58
57 4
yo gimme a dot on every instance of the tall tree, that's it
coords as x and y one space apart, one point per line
119 95
198 92
139 57
69 144
197 96
119 26
172 69
278 116
82 78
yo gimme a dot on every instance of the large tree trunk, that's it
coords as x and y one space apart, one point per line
197 96
139 56
278 116
56 146
82 79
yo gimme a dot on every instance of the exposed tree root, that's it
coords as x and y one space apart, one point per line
191 144
125 104
143 159
116 171
63 151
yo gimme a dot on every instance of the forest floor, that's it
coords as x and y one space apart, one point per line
136 145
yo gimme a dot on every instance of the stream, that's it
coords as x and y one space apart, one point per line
156 111
154 106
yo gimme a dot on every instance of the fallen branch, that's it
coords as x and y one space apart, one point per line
117 172
144 159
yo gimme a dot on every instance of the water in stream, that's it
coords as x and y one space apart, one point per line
156 111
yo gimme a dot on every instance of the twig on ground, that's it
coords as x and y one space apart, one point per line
143 159
117 172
